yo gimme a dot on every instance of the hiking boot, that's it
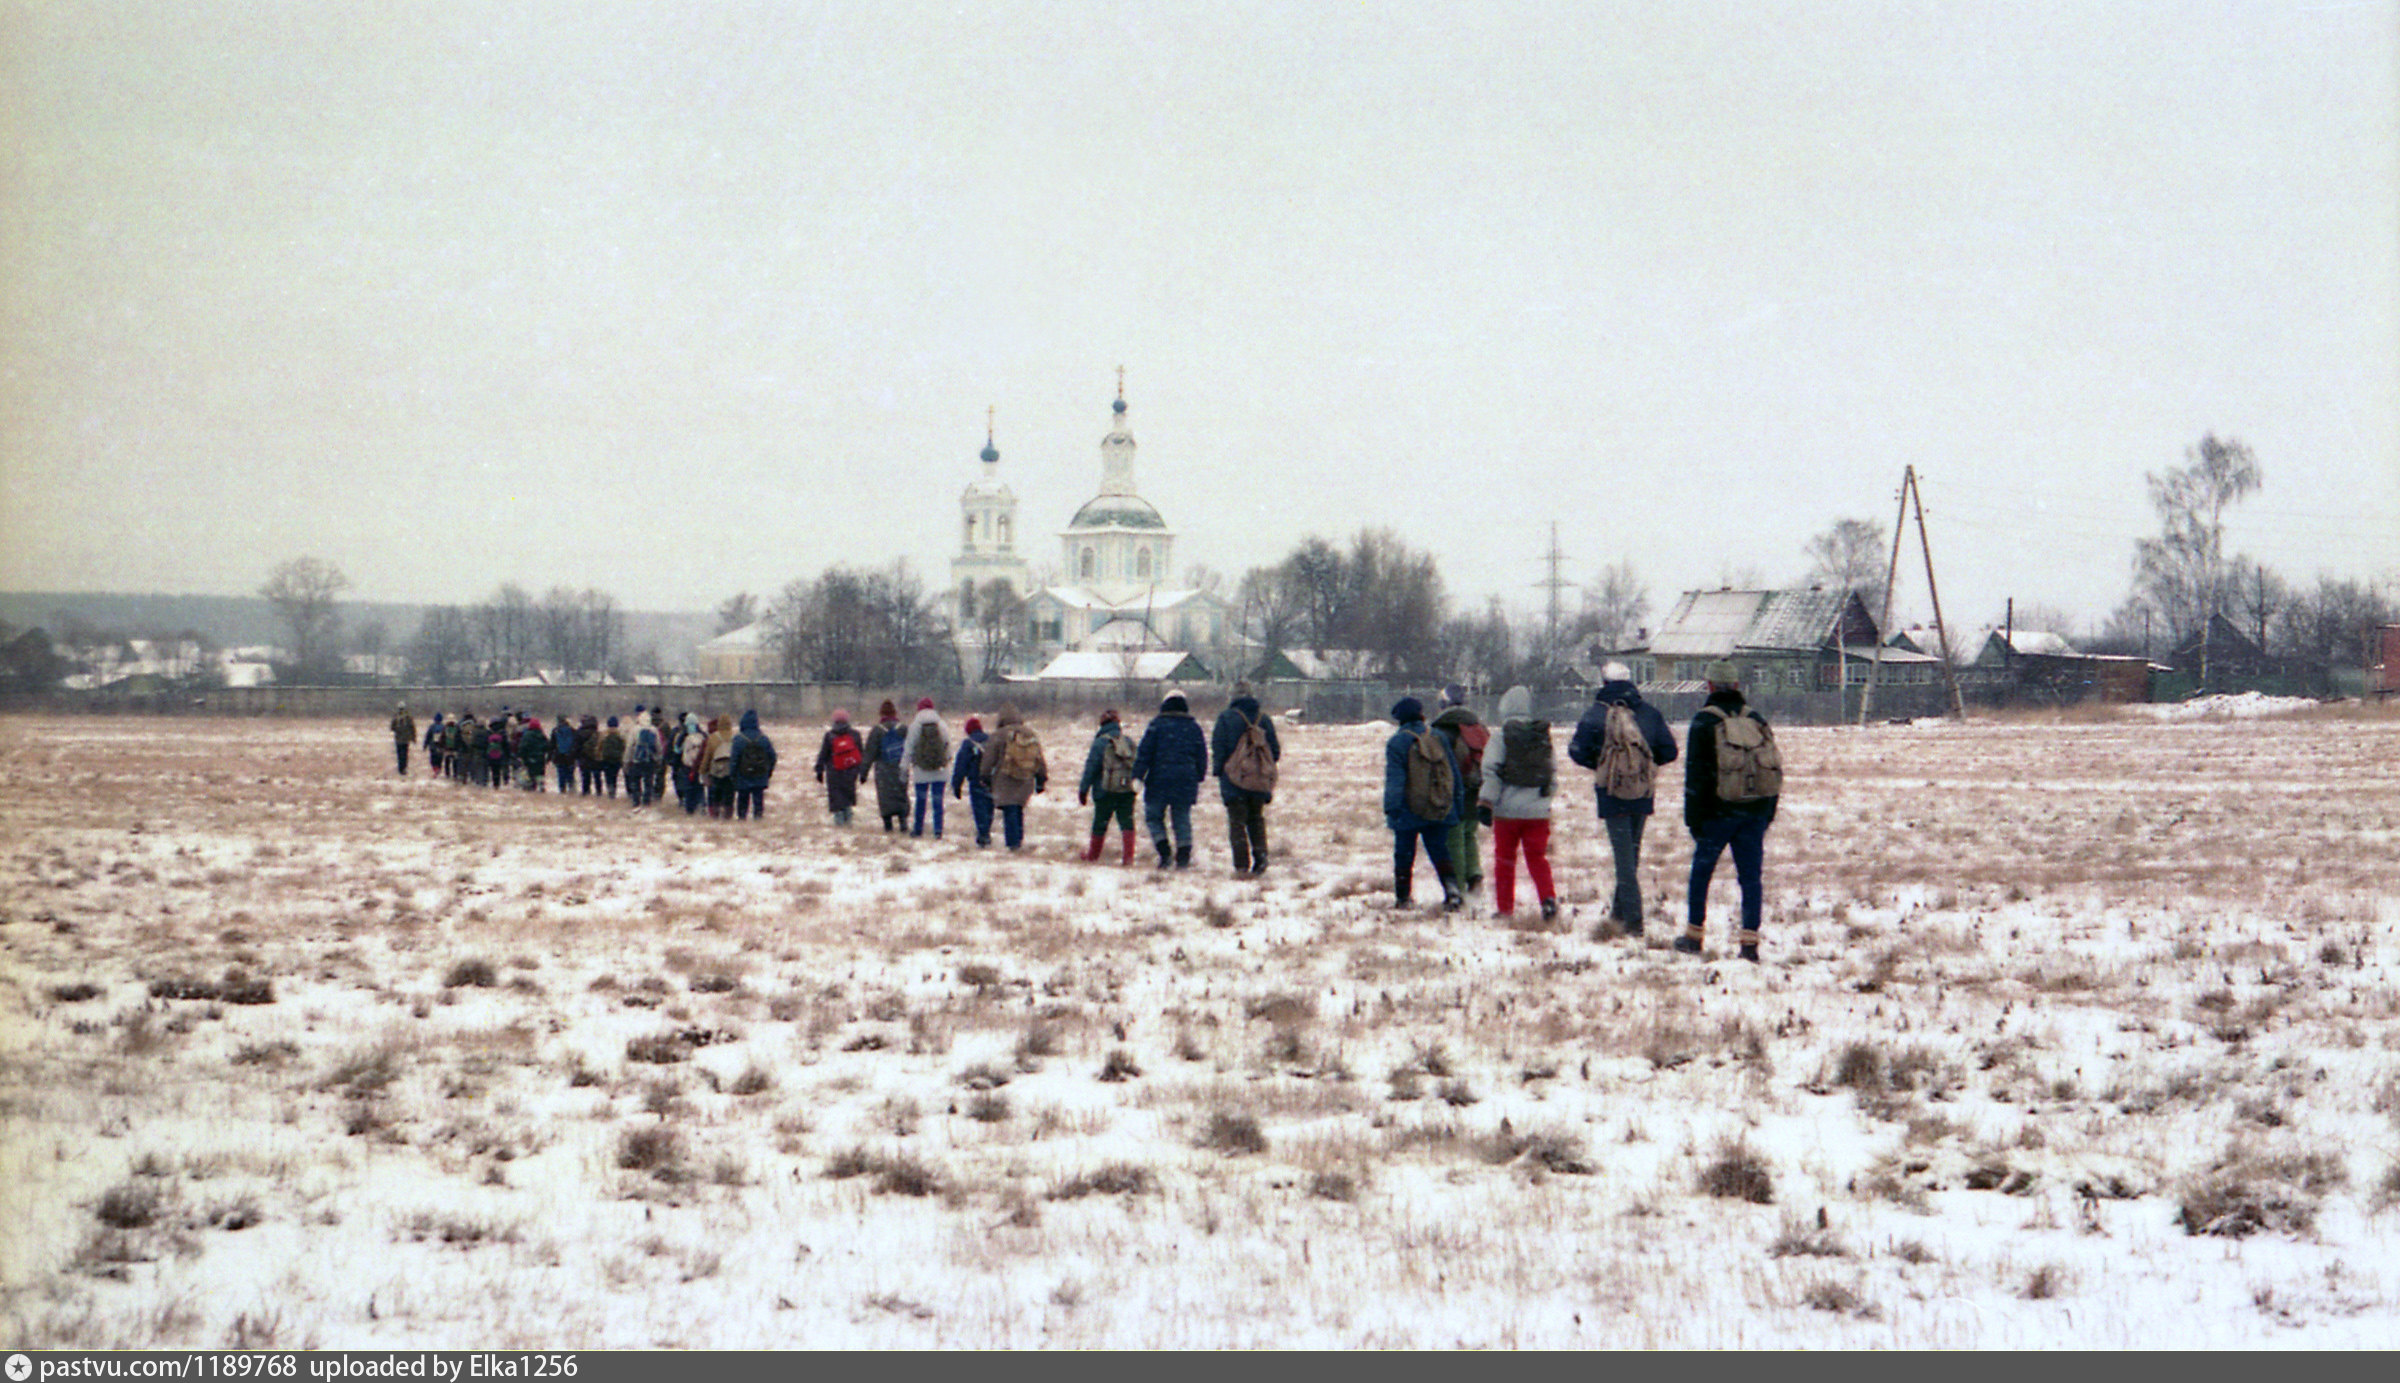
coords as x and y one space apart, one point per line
1183 857
1633 928
1687 945
1166 857
1748 952
1549 909
1452 899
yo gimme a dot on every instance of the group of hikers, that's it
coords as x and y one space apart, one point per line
1445 780
716 767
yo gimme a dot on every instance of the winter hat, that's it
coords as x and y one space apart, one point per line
840 716
1517 704
924 703
612 722
889 711
1109 716
1174 705
974 726
1408 708
1454 695
1722 673
1614 671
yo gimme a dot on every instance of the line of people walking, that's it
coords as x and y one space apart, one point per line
719 768
1446 780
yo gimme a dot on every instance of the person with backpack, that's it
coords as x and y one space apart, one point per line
683 751
1170 764
1014 769
535 750
1468 738
1519 779
1422 798
1108 782
1244 750
1732 778
1624 741
608 756
841 759
404 734
433 745
966 779
643 753
716 759
886 744
926 750
753 758
587 754
562 752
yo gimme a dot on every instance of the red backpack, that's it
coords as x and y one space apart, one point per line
846 753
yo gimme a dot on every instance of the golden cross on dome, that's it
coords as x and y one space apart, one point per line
1120 381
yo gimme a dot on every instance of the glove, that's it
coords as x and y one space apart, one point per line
1483 812
1083 799
958 794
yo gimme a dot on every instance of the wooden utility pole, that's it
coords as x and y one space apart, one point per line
1911 500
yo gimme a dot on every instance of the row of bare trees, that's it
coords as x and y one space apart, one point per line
577 635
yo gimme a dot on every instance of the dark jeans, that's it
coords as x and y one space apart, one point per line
1246 822
1625 843
749 802
928 792
720 797
1156 814
566 775
1404 851
1012 826
1106 804
1747 834
402 751
979 805
608 777
589 775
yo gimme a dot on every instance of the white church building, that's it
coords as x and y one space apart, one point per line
1116 557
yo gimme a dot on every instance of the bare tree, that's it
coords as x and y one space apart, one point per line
442 651
2256 593
737 611
303 592
1270 607
997 615
2179 576
505 633
1852 555
1614 606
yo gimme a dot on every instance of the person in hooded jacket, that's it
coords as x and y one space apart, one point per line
1407 827
1170 765
753 765
1010 788
1468 737
535 750
608 755
1519 780
966 778
841 759
691 770
884 745
562 752
1245 808
1094 787
928 737
404 734
434 736
1718 825
587 754
716 760
1622 817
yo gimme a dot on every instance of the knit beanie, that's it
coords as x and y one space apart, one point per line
1453 695
1408 708
974 726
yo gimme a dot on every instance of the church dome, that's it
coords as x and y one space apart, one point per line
1117 511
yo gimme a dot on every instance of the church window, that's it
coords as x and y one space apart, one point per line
970 530
1004 530
1085 567
1141 564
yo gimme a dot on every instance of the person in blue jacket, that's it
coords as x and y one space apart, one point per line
1408 827
1170 764
562 752
966 778
1622 817
753 766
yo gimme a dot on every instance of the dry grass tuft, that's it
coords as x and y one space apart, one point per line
474 972
1235 1135
1739 1172
1112 1179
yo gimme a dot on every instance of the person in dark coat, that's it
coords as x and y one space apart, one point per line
1245 809
1407 827
587 754
534 750
1623 818
1098 786
1172 761
754 752
841 758
562 753
435 734
404 734
1469 738
1717 824
884 745
966 778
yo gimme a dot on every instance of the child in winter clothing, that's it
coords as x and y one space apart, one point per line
1517 791
841 760
1108 783
925 749
884 745
966 776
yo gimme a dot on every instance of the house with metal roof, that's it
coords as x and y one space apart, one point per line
1787 641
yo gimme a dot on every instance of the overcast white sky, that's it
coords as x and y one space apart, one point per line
678 300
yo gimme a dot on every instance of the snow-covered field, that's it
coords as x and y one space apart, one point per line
2040 996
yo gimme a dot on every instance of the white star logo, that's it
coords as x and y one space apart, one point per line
20 1368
